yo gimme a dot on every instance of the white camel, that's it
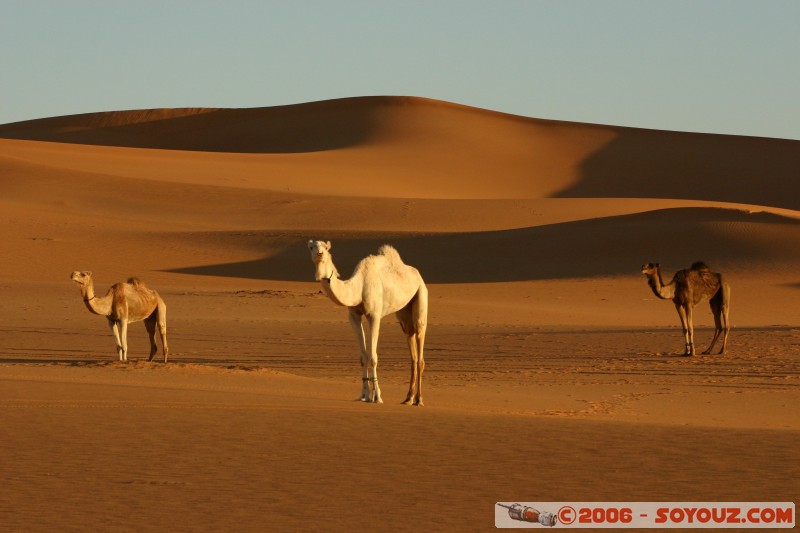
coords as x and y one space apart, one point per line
380 285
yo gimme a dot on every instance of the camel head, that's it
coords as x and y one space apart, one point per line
321 257
650 269
82 278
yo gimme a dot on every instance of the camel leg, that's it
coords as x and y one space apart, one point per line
716 311
150 325
123 336
684 326
358 329
412 382
726 307
420 338
420 316
405 317
374 325
114 325
690 327
162 328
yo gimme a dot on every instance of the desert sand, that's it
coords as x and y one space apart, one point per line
552 371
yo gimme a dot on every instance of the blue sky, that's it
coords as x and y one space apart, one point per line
726 66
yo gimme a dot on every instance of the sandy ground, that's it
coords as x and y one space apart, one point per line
552 370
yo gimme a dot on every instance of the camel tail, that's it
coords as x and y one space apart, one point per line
390 253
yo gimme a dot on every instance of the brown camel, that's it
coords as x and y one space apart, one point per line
124 303
688 288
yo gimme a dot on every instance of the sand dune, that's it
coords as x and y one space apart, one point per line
417 148
545 348
311 127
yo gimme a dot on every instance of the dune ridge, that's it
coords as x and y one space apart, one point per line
419 147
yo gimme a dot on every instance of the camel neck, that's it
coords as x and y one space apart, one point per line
98 306
343 292
666 292
87 291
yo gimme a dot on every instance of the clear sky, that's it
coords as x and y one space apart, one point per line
718 66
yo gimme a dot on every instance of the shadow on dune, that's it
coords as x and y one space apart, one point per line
311 127
599 247
662 164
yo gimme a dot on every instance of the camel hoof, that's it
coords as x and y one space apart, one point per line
407 401
419 404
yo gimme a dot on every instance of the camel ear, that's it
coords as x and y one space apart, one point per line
328 244
88 273
310 244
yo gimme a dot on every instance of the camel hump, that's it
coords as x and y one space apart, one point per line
700 266
390 253
136 282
